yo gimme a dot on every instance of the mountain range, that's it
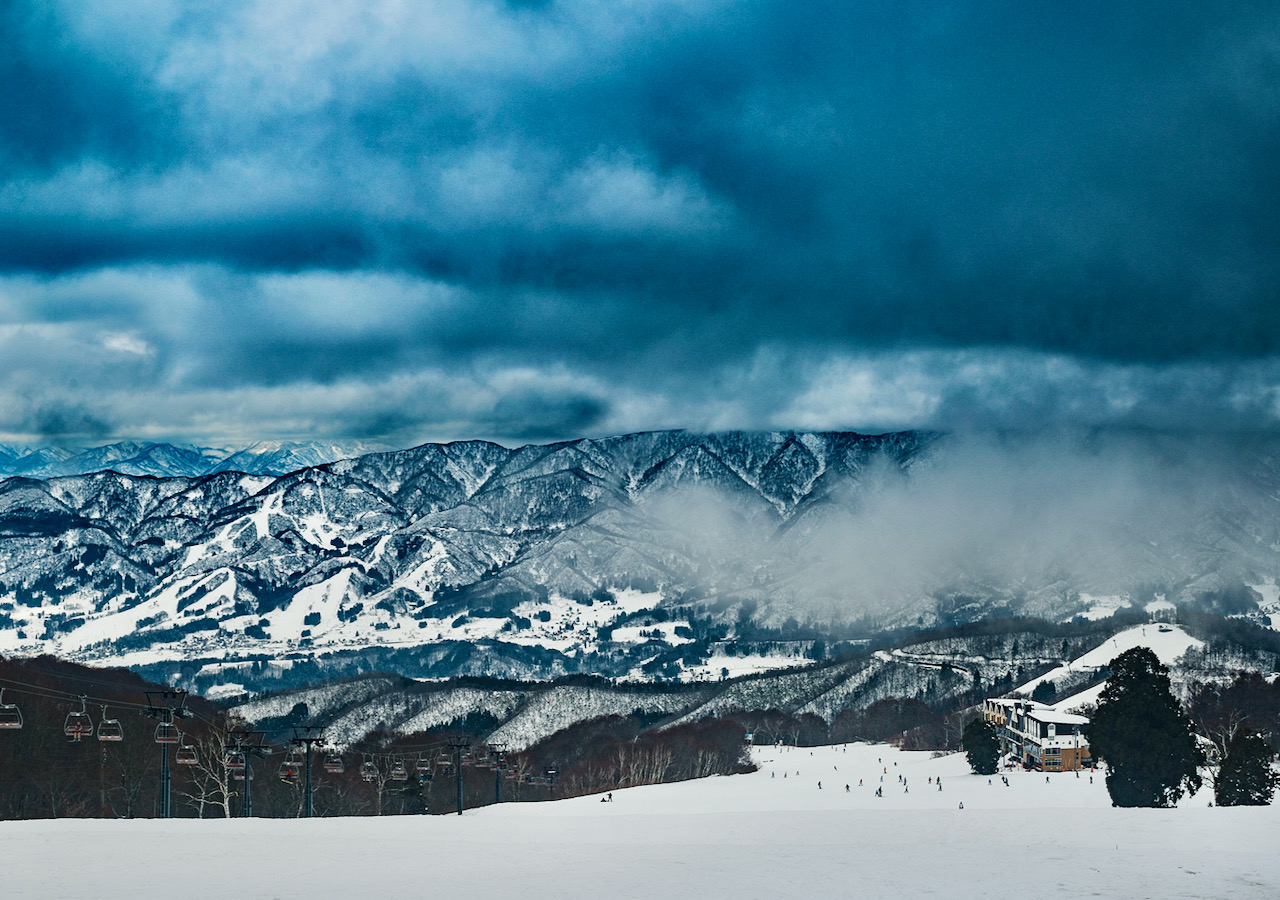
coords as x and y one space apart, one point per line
163 460
654 556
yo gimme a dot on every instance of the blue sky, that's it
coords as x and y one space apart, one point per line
408 221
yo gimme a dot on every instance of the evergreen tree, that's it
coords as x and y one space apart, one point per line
981 746
1045 692
1245 776
1143 735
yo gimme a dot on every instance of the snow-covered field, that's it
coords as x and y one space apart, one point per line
752 836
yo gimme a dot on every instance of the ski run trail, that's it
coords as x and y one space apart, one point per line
770 834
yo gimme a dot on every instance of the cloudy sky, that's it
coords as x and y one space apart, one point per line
535 219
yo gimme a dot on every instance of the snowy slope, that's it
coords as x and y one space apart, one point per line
546 560
1169 643
752 836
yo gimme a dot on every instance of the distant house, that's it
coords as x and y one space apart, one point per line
1038 736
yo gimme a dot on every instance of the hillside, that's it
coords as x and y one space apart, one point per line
649 557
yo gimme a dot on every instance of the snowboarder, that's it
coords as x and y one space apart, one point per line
962 804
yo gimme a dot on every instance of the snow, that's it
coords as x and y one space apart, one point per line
1102 607
1168 642
747 836
1269 605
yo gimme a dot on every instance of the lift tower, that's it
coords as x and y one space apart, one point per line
305 736
166 706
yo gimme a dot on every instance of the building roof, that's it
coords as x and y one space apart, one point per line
1041 712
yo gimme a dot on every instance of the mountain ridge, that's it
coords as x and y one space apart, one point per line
649 556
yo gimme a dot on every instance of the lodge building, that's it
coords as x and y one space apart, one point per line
1038 736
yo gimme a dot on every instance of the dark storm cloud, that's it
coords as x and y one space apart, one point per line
723 214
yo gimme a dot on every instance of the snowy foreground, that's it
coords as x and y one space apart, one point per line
752 836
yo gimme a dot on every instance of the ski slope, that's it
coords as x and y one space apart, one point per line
1167 642
749 836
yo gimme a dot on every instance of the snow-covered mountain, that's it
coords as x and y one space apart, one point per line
162 460
645 556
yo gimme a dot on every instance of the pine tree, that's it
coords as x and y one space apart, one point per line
1045 692
981 746
1245 776
1143 735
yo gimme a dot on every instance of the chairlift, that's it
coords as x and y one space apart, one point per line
333 763
368 769
167 733
234 760
109 729
423 765
398 771
78 724
292 765
10 715
187 755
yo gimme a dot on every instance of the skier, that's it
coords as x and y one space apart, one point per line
846 788
819 785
